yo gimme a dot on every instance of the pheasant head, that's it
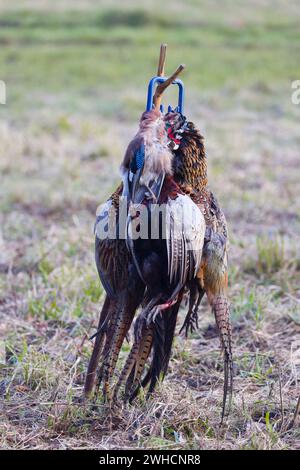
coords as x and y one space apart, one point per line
148 158
189 162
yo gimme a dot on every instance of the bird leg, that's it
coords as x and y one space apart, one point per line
191 319
151 193
159 309
141 321
149 314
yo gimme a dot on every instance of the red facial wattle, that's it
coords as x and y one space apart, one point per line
172 136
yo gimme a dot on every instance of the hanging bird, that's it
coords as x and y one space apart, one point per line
190 170
190 173
146 181
119 277
165 263
124 292
124 288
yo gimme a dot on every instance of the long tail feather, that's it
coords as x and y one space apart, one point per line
134 379
160 360
107 345
90 380
122 326
158 352
221 310
143 384
164 331
127 369
160 339
170 333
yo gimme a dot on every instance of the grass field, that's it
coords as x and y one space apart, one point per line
76 75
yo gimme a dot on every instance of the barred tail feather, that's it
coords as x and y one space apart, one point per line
164 331
90 380
221 310
118 330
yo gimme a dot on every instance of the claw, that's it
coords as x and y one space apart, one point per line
158 309
142 319
191 319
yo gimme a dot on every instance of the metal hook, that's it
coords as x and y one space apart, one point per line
151 86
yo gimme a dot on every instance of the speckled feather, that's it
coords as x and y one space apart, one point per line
190 172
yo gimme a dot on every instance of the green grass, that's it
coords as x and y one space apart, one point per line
271 256
92 59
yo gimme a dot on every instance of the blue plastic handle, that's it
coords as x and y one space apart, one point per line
151 87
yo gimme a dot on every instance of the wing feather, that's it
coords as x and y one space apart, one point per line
185 229
111 254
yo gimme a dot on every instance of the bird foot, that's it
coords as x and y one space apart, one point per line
151 194
190 323
149 316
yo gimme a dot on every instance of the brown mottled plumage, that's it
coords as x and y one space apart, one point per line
190 171
114 262
125 292
118 269
152 134
164 264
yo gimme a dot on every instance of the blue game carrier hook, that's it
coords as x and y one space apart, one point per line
156 80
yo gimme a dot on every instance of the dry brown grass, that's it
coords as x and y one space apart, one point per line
59 160
50 296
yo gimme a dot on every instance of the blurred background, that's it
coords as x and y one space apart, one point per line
76 75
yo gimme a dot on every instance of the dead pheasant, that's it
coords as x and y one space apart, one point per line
165 264
190 173
124 289
117 271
